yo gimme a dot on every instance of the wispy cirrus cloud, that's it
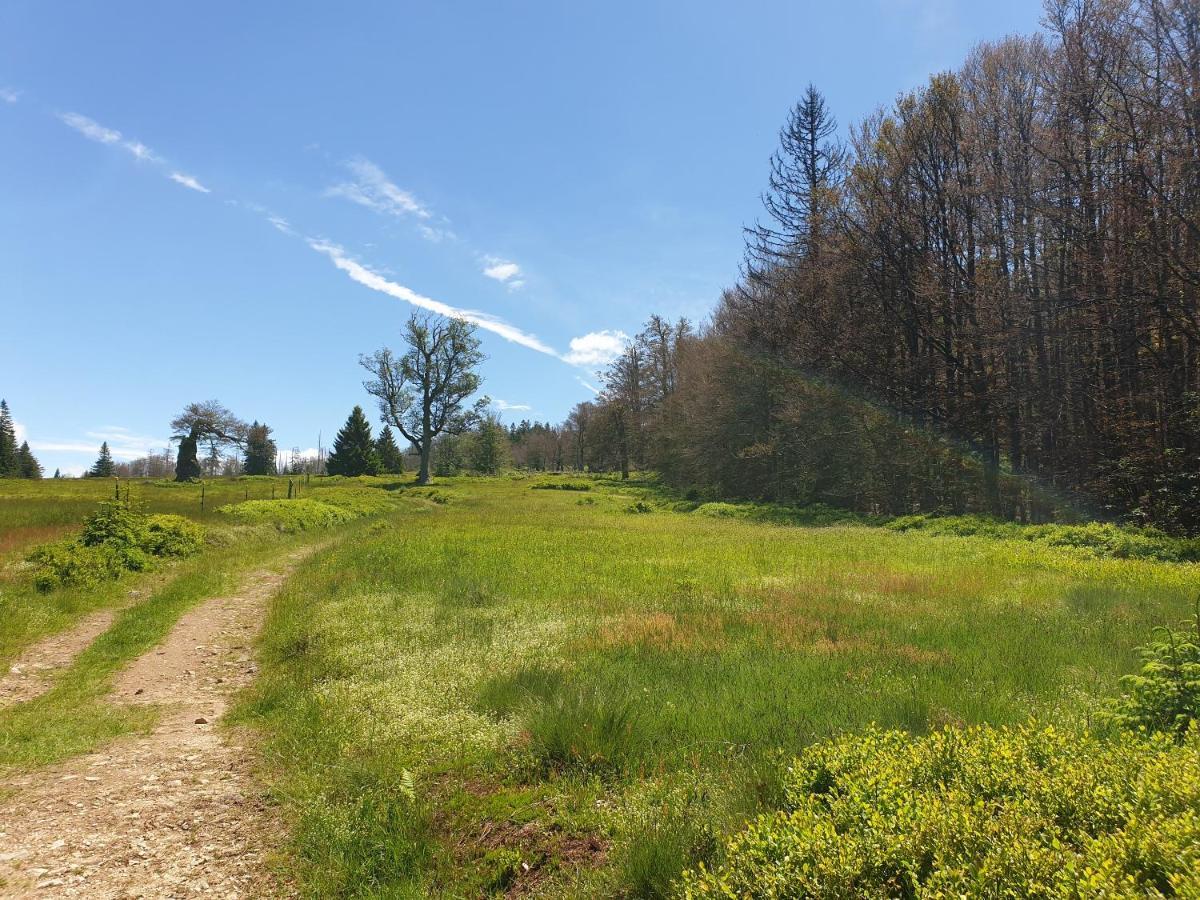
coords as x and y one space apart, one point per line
9 95
188 182
505 406
596 348
90 128
102 134
587 384
376 282
373 189
122 443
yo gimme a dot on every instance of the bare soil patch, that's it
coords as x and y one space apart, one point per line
30 673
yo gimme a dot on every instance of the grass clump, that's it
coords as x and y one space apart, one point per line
1002 811
290 516
116 539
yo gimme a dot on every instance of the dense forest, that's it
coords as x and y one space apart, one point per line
984 297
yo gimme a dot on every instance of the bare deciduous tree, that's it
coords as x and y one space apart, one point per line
422 392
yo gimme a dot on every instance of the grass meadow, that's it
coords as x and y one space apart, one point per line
71 717
558 693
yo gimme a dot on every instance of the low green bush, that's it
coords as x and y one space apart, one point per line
561 486
117 538
171 535
1101 539
62 563
289 515
1029 811
816 515
640 506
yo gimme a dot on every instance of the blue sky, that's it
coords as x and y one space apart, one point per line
234 200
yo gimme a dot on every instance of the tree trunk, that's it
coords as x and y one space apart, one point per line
187 466
426 452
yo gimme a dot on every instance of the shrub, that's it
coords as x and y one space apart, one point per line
816 515
1100 539
170 535
641 506
117 538
561 486
1165 695
115 523
1016 812
70 562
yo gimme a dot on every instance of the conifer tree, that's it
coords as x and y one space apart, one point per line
489 452
9 465
103 467
57 473
391 458
260 450
354 448
27 463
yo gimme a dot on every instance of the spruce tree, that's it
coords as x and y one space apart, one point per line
353 448
28 465
57 473
103 467
391 458
489 454
9 466
260 450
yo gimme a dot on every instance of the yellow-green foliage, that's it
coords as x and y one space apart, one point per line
289 515
1101 539
562 485
1002 812
117 538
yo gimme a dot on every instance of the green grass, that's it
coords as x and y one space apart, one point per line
517 678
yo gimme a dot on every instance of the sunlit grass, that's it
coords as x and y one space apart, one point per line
635 678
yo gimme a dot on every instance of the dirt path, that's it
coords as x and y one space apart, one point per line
30 673
175 813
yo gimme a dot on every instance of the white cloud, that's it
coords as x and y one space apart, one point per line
122 443
130 443
89 128
505 406
376 282
503 270
94 131
372 188
189 182
591 387
20 432
141 152
596 348
279 223
9 95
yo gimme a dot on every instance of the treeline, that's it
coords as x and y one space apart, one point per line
16 460
996 276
